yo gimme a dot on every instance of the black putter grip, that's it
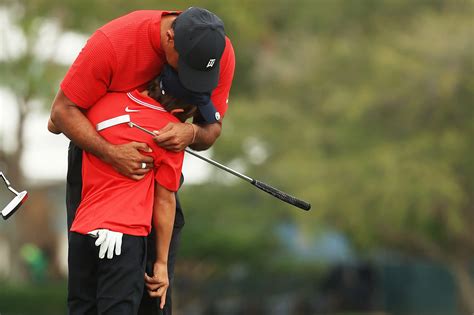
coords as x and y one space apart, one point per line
281 195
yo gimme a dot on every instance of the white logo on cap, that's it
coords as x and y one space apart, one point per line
210 63
218 116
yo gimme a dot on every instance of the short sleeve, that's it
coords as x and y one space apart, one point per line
90 75
220 95
168 170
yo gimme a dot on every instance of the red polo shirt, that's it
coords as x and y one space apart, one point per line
109 199
124 55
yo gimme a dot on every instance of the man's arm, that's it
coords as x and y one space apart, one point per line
68 118
206 135
163 220
52 128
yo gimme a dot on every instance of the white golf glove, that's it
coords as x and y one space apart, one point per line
109 241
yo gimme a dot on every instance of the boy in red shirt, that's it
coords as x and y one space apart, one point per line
119 205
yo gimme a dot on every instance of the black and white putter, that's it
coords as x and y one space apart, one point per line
15 203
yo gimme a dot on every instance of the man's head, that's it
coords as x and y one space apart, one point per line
194 46
168 90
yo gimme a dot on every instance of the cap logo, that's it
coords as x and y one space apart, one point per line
218 116
211 63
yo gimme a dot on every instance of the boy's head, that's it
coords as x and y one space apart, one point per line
175 98
176 106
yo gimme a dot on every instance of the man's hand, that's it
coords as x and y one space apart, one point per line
128 160
174 136
110 242
157 285
68 118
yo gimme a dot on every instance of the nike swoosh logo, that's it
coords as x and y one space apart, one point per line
128 110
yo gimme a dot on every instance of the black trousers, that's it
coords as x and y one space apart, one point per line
105 286
148 306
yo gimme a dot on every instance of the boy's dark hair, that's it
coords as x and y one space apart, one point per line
169 102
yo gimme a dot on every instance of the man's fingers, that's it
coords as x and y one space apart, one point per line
171 145
136 177
134 155
172 137
167 142
127 159
163 137
149 165
144 166
142 147
139 173
166 128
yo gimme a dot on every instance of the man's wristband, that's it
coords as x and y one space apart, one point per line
194 132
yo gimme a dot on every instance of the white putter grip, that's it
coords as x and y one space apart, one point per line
113 122
15 204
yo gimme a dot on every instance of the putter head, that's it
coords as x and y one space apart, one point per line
14 205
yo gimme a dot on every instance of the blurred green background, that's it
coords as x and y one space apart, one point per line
363 108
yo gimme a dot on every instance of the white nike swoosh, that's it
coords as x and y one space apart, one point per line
128 110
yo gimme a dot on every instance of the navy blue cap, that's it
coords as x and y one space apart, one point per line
171 85
200 41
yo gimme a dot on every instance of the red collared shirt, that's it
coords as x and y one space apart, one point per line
109 199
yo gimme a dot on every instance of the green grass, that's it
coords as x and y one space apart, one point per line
37 299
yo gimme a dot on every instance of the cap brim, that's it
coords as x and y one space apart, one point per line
198 81
209 113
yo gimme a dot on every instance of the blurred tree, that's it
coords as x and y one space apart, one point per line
26 74
30 77
371 111
392 119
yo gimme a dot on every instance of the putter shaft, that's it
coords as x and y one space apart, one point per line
132 124
223 167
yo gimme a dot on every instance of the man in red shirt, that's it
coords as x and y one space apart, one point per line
122 56
115 203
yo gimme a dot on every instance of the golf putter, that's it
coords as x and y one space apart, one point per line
125 119
16 202
260 185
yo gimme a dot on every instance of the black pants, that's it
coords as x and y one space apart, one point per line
148 305
105 286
